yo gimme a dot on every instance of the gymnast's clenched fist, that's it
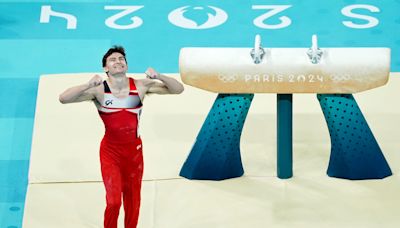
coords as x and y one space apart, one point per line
95 81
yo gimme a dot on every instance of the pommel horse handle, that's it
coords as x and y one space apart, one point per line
233 74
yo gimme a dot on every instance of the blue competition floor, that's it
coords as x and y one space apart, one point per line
30 48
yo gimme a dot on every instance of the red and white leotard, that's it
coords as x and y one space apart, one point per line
121 155
121 115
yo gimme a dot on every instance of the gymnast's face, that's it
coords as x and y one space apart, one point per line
116 64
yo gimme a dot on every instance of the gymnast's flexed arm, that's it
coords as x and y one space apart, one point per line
84 92
167 85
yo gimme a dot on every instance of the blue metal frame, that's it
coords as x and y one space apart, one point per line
284 135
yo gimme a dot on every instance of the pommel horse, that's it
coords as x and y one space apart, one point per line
236 74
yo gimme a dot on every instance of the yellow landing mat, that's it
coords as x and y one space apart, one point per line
236 203
65 188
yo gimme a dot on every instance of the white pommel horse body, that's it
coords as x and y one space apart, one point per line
334 74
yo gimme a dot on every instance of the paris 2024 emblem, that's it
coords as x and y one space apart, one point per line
198 17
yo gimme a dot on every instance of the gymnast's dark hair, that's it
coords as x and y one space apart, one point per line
114 48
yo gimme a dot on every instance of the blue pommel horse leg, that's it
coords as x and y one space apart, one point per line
215 154
355 154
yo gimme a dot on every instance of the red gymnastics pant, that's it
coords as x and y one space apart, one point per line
122 171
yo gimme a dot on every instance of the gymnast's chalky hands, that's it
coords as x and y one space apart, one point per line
95 81
152 74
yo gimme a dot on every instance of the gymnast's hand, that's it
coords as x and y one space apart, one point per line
95 81
152 74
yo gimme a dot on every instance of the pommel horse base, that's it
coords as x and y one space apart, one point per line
334 77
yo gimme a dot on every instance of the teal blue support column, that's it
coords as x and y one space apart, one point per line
355 154
285 136
216 152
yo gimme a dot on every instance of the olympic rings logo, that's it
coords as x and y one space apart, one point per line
340 77
227 78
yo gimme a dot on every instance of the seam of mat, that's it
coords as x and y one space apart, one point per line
181 178
159 179
153 220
